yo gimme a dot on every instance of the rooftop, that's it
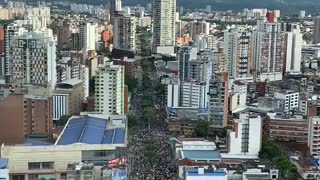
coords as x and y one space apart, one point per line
206 172
3 163
90 130
205 155
71 82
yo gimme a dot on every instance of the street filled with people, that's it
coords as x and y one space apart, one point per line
151 156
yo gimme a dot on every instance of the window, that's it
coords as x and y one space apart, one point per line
34 165
40 165
47 165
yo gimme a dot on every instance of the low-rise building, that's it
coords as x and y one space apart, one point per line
4 171
67 98
290 99
245 140
91 138
205 174
279 126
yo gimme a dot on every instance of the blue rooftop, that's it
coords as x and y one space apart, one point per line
89 130
194 172
3 163
205 155
33 142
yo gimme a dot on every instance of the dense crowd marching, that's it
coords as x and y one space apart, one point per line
163 165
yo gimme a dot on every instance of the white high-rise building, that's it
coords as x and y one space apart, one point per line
187 94
124 32
269 43
237 49
109 89
38 17
302 14
33 57
294 48
245 140
164 12
88 36
115 7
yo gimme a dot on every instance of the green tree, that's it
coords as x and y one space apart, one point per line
131 83
202 128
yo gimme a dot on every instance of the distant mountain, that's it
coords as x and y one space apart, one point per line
289 6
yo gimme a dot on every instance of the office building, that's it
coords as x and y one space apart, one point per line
314 138
124 32
245 140
67 98
24 115
218 100
238 51
109 89
164 18
115 7
33 58
88 36
184 55
92 138
316 30
269 45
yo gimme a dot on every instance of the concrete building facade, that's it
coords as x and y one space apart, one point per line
33 57
109 89
218 100
164 18
124 32
24 115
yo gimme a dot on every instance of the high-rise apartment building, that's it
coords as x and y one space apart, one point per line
269 46
115 7
314 136
197 28
294 49
33 58
238 51
88 36
316 30
38 17
184 55
109 89
23 115
164 18
11 30
218 100
187 94
124 32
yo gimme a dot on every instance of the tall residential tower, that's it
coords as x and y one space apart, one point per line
164 17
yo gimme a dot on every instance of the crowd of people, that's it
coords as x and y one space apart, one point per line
150 154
